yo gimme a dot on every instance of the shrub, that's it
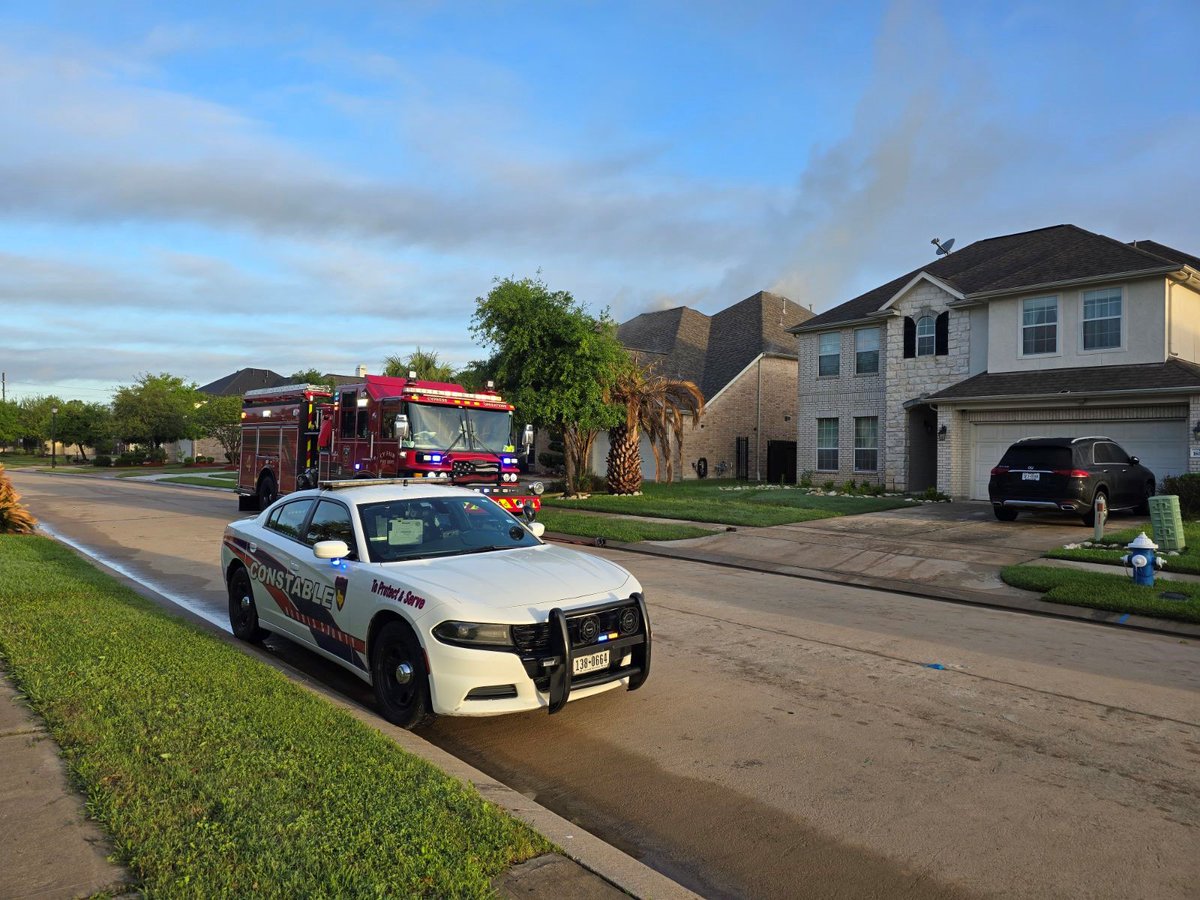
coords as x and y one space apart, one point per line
828 485
850 487
14 517
551 460
1187 488
932 493
806 478
188 461
157 455
131 458
102 461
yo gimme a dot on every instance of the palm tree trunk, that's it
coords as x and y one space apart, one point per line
624 461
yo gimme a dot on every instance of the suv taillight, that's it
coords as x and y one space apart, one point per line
1072 473
1000 470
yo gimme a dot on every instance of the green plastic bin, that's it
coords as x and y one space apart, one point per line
1166 522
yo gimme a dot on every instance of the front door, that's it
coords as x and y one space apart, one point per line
922 448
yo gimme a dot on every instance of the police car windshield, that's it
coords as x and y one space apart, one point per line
428 527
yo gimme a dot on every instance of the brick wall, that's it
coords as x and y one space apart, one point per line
841 397
736 412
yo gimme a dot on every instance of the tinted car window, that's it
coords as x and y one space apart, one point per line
438 526
1112 453
330 522
1018 457
290 517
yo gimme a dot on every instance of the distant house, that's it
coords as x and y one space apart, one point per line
926 380
743 360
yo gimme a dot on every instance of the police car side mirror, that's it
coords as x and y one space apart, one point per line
527 437
330 550
400 429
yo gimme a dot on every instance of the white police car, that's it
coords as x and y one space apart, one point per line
438 597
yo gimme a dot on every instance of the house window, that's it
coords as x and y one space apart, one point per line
1102 319
827 445
1039 326
829 360
866 351
926 336
866 443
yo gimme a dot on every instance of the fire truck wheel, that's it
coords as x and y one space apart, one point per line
399 676
243 614
267 492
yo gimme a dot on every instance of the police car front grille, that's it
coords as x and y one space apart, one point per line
583 629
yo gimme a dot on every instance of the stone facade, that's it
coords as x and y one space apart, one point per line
910 379
1193 442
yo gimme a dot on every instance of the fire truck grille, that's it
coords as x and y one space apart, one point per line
467 467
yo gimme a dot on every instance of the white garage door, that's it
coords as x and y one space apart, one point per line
1161 445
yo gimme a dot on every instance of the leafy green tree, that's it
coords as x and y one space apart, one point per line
307 376
10 423
85 425
556 362
425 363
36 422
475 375
156 410
220 418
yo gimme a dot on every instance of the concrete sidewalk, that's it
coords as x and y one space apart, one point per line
49 849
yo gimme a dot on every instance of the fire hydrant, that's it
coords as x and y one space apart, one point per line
1142 559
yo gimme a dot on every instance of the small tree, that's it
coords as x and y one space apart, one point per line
14 517
156 410
309 376
653 404
85 425
220 418
425 363
36 421
10 423
556 363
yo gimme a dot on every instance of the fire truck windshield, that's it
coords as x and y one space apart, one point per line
450 427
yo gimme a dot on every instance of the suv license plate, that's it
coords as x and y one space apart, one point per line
1031 476
590 663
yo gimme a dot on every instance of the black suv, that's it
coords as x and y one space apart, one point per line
1067 475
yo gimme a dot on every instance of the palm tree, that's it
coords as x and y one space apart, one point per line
656 405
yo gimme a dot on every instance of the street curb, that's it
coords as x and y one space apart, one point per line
578 845
1029 605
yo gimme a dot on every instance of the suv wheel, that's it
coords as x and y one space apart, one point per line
1005 515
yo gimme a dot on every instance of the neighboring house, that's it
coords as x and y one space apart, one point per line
924 381
744 362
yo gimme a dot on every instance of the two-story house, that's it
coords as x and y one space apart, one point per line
924 381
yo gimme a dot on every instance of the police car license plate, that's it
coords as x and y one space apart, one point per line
1031 476
590 663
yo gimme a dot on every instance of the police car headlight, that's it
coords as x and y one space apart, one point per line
474 633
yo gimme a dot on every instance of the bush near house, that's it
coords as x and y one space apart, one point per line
1187 488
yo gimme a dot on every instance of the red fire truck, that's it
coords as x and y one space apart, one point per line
297 435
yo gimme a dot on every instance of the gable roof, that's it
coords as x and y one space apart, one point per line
1060 254
1172 375
711 350
237 383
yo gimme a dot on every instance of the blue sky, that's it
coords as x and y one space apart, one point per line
196 188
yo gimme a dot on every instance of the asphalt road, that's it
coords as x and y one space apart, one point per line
793 740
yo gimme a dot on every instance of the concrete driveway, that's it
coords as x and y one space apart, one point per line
959 546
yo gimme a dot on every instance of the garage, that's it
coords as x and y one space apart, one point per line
1160 443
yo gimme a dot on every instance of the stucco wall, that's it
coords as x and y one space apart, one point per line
1144 325
1184 322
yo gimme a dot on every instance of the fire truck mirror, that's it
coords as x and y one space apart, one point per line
527 437
401 427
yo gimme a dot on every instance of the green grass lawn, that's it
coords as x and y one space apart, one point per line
612 528
201 481
1187 561
705 501
12 460
1100 590
217 776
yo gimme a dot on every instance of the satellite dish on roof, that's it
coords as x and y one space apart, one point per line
942 249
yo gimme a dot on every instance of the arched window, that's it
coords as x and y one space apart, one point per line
926 336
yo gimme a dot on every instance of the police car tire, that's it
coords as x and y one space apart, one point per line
243 620
406 705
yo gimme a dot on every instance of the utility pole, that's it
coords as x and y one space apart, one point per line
3 387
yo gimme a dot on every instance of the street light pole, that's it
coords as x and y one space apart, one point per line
53 440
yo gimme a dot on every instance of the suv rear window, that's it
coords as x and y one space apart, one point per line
1038 457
